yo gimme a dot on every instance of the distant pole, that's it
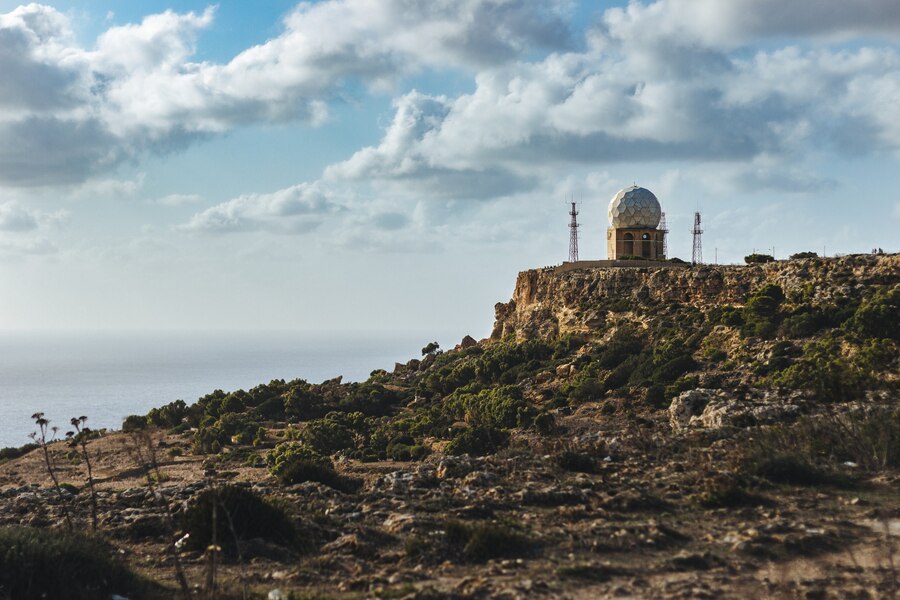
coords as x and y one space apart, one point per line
573 234
697 255
716 255
665 235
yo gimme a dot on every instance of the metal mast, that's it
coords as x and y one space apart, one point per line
573 235
697 257
665 235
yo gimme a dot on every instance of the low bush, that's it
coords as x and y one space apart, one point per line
756 258
240 515
789 469
478 440
471 542
13 452
799 255
576 461
296 462
133 423
878 317
43 563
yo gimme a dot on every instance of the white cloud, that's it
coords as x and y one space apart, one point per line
736 22
178 199
15 218
67 113
297 209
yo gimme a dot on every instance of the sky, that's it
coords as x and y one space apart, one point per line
388 166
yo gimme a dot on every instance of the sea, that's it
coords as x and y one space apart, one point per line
107 376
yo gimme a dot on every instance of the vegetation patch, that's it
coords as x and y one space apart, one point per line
229 515
42 563
471 542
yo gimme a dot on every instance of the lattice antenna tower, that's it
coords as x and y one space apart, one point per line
697 256
573 234
665 234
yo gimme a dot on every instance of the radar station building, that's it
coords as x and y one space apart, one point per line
635 232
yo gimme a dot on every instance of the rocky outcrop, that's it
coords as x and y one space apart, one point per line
547 303
719 409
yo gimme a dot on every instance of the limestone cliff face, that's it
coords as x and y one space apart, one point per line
549 302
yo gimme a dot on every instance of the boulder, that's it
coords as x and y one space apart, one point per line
715 409
688 405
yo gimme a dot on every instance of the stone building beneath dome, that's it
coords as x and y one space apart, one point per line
634 215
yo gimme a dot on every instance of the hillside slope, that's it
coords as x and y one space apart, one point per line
697 432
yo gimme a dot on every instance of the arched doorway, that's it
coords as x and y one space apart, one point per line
629 244
645 245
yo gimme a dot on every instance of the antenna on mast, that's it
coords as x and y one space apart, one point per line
665 235
573 234
697 256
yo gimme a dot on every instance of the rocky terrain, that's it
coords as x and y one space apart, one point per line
708 432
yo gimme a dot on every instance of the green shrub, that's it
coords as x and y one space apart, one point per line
134 423
43 563
500 407
655 396
799 255
240 515
12 452
545 423
334 432
296 462
878 317
824 370
168 416
756 258
587 389
478 440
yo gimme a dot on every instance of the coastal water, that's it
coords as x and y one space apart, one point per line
109 376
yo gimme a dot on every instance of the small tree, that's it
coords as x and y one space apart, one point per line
431 348
756 259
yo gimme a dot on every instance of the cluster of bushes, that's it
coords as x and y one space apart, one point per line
627 361
503 363
13 452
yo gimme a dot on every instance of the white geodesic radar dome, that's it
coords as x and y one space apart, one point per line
634 207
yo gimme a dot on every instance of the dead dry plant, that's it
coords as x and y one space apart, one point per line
41 439
80 438
143 450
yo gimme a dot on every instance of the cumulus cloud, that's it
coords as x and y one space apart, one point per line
630 97
737 22
178 199
67 113
297 209
15 218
